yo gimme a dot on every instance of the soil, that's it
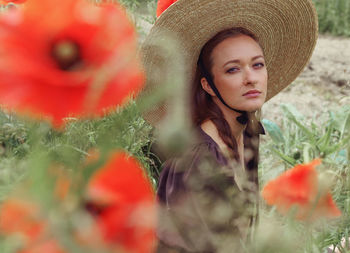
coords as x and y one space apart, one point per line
323 86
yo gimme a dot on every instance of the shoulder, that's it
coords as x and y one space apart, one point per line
204 149
178 173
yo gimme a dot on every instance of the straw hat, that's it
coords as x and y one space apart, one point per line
286 30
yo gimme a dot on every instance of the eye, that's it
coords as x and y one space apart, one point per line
232 70
259 65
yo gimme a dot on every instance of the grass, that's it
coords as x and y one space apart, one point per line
334 16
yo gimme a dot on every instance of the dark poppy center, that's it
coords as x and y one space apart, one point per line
67 54
95 209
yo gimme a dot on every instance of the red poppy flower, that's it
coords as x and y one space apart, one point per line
123 204
163 5
299 187
67 58
22 217
12 1
49 246
17 216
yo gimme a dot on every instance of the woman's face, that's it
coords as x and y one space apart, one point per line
239 73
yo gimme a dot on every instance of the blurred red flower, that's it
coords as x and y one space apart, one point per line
67 58
50 246
299 187
20 217
122 201
163 5
12 1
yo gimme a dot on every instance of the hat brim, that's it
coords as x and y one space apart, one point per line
287 31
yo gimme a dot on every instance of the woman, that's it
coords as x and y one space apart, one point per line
237 54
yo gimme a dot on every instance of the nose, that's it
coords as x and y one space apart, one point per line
250 77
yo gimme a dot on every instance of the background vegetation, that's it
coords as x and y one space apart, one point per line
334 16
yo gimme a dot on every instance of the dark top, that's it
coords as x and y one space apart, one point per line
208 202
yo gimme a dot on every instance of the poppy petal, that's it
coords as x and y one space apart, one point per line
123 202
18 216
13 1
163 5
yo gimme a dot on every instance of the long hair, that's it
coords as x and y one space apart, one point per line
203 106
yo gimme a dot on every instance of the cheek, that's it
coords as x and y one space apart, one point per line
231 87
232 82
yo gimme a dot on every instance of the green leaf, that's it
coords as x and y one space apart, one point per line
342 120
324 141
337 146
290 110
286 158
306 153
274 131
292 114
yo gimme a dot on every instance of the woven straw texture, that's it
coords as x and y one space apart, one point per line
287 30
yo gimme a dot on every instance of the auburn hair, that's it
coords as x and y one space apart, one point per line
203 106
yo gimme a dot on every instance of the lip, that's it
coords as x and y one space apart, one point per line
252 93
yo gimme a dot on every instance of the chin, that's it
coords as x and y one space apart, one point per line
252 107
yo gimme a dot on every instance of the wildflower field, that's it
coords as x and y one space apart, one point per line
76 160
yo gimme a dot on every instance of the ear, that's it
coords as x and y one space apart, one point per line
206 87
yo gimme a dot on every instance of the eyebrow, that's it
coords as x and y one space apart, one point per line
238 61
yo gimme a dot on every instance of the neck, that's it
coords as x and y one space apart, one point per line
230 116
236 130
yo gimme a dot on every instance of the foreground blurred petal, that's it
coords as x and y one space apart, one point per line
122 201
326 207
12 1
50 246
21 217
